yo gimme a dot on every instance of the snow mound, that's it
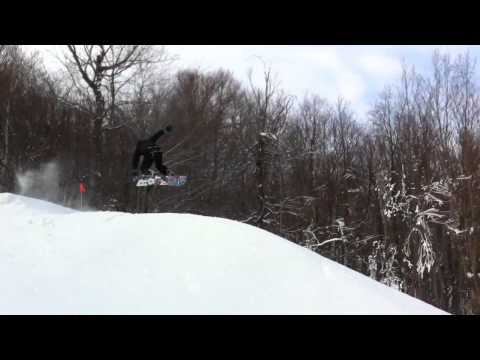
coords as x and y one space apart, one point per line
54 260
18 204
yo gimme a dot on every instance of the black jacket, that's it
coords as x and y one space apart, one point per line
147 146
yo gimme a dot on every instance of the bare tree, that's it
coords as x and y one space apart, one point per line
10 60
98 74
269 119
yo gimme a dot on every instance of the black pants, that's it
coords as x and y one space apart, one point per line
153 157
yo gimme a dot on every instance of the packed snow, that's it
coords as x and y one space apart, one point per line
55 260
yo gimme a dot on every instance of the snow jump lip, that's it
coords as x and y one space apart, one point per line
121 263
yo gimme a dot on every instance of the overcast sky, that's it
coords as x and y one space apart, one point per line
357 73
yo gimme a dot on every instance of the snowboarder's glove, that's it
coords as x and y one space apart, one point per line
169 129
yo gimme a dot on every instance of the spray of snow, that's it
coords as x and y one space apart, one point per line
42 183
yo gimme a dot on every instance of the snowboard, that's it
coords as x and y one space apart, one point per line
160 180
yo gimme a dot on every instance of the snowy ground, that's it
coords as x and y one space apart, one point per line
55 260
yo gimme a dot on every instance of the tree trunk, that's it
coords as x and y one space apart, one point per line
261 180
7 129
98 146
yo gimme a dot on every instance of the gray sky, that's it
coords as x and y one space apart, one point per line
357 73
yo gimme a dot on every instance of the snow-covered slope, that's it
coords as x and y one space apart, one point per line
54 260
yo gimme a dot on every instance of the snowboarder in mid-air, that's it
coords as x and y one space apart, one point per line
151 153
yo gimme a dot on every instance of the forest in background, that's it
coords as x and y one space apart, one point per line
394 196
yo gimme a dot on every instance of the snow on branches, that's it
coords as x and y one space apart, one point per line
336 232
382 265
418 210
